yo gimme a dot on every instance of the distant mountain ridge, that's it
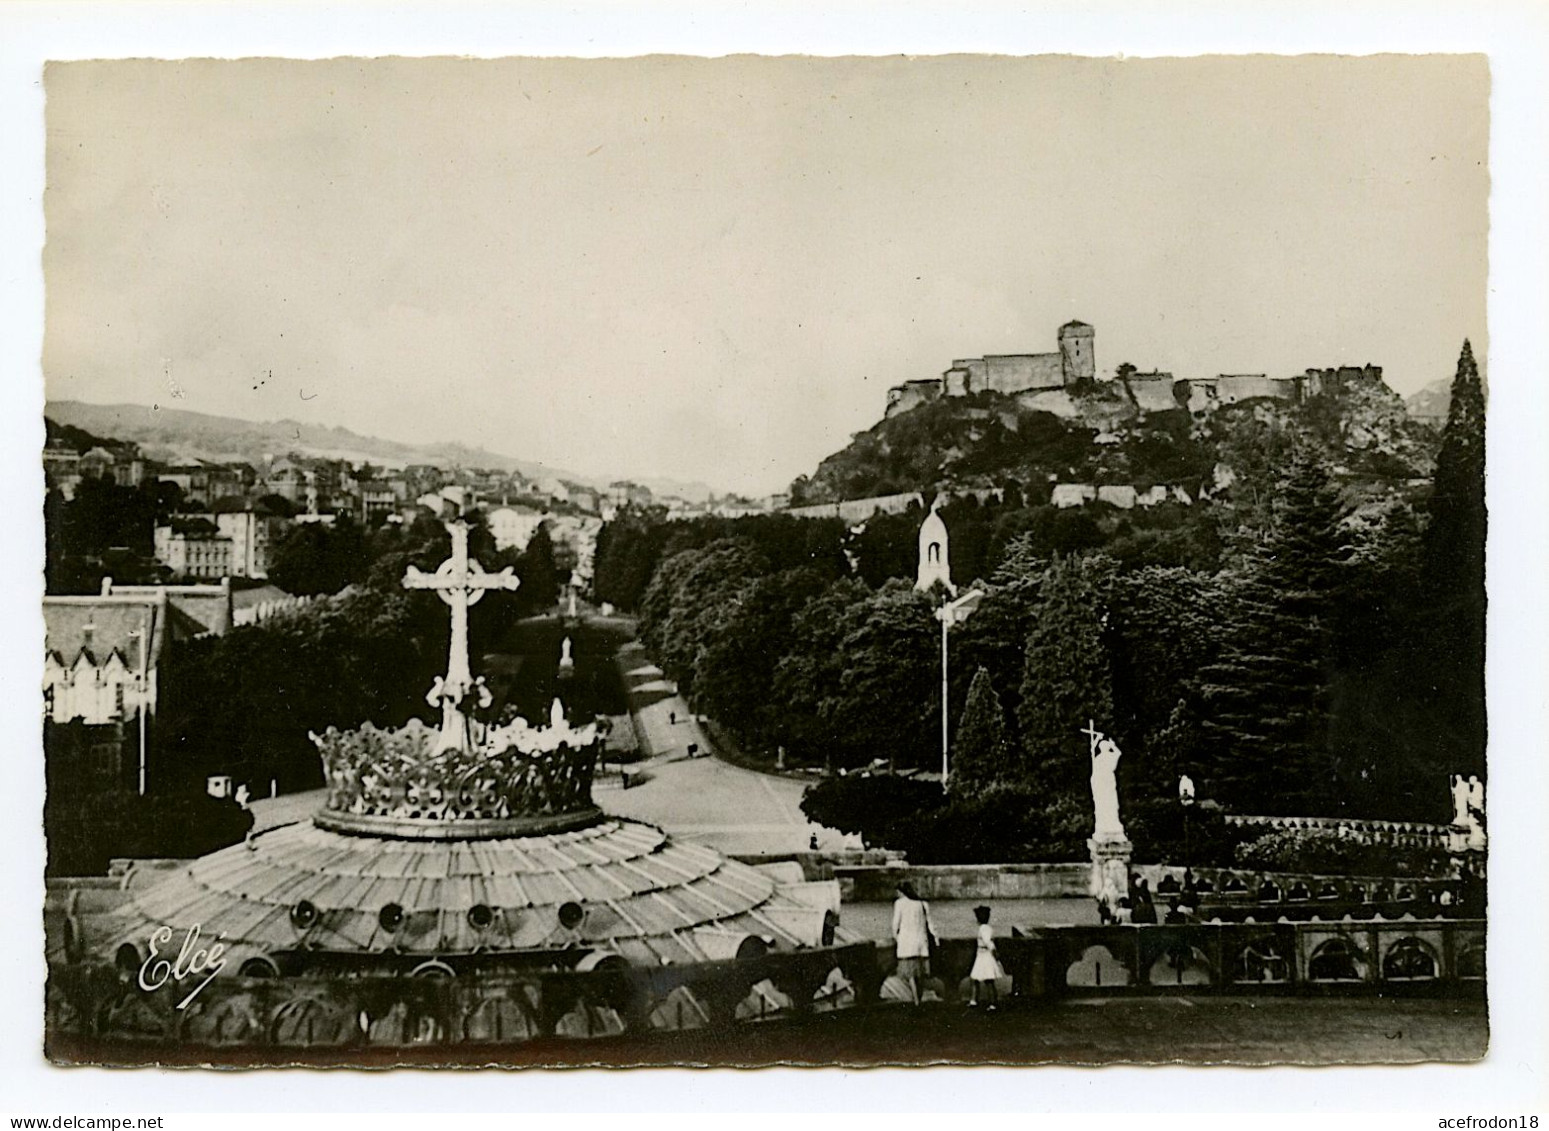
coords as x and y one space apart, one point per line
1432 402
179 435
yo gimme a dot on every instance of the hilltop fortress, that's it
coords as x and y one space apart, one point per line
1045 381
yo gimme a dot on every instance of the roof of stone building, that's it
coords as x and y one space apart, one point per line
103 625
195 608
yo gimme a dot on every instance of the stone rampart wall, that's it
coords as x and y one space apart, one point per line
858 510
1153 394
1019 373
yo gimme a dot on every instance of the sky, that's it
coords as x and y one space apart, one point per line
712 269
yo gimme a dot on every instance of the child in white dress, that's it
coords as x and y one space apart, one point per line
985 968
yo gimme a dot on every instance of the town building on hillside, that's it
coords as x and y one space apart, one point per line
97 463
254 529
192 479
733 506
622 493
193 546
513 526
222 479
62 468
375 500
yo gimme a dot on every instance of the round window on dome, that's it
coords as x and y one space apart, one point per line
127 958
304 914
570 915
480 916
390 917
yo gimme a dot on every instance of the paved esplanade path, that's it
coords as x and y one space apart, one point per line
703 799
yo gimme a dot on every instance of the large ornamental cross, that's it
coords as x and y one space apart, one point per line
460 582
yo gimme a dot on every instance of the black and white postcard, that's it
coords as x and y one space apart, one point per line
767 559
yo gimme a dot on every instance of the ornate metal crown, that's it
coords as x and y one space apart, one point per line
512 781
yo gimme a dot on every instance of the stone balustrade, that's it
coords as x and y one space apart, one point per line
99 1010
1405 833
1426 957
103 1005
268 610
877 883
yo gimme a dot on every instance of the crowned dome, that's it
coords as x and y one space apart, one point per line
302 897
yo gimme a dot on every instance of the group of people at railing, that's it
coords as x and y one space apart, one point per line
1198 899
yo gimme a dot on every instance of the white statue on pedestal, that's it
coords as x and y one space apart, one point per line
1459 800
1476 838
564 654
1105 785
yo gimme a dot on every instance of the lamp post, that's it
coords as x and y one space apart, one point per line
951 613
139 708
945 626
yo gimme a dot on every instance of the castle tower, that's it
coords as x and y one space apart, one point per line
1078 359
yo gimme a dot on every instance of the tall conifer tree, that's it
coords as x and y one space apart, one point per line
1265 702
981 755
1452 573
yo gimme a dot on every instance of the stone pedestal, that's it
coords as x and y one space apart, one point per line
1110 864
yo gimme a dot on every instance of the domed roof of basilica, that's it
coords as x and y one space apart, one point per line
301 894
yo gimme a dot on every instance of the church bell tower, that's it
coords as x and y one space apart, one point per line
935 564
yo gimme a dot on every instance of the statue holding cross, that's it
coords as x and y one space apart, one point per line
460 582
1105 785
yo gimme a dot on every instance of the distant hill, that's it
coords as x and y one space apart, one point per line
987 439
176 435
78 439
1431 403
